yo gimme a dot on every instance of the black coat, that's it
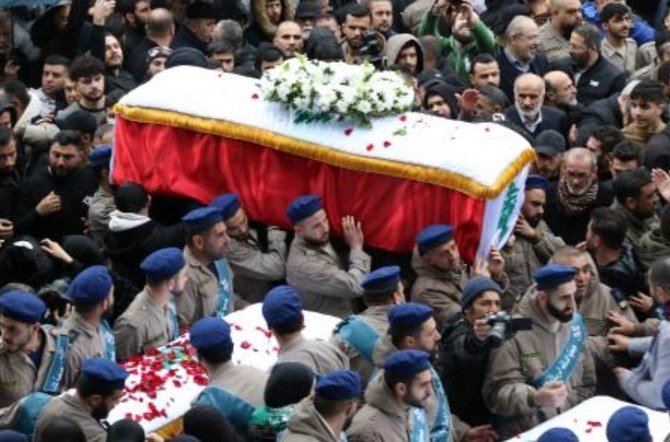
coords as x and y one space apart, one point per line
605 112
657 153
602 80
552 118
187 39
10 185
509 72
137 61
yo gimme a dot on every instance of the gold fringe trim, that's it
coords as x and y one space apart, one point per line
432 175
172 429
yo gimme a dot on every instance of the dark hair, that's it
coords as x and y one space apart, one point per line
665 222
484 58
86 66
15 88
328 408
6 135
355 10
398 335
68 138
55 59
650 91
494 95
627 151
608 136
664 73
216 355
629 184
662 37
126 6
590 34
290 327
267 52
322 45
114 97
209 424
610 226
63 429
659 273
613 10
379 296
220 47
391 381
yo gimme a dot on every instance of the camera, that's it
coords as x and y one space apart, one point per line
503 326
371 50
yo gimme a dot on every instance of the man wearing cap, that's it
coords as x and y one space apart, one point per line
196 31
151 320
357 335
558 435
465 349
629 424
325 284
31 355
92 294
235 390
102 202
306 14
99 390
547 370
441 274
326 415
255 267
549 146
282 310
209 289
533 242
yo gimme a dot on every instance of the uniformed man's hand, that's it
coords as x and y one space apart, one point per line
49 204
523 228
622 325
552 395
641 302
6 228
482 433
618 342
496 263
353 233
481 329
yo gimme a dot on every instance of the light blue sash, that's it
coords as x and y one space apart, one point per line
108 339
359 335
418 431
561 369
54 376
29 411
225 288
174 321
440 428
235 409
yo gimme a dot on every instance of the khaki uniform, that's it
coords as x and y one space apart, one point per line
377 318
625 58
101 205
321 357
507 388
244 381
254 270
319 277
527 256
382 418
18 374
143 325
636 227
74 408
307 425
555 46
85 342
200 297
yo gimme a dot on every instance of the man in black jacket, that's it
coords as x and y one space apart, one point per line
54 201
197 30
10 178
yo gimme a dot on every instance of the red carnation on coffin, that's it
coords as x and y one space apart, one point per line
245 345
254 97
369 147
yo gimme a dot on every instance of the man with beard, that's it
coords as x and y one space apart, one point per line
601 141
10 182
534 243
256 267
636 200
87 73
381 12
561 93
549 146
528 111
542 372
266 16
577 192
54 200
355 26
288 38
405 50
647 104
99 390
196 31
325 416
594 76
314 269
394 400
566 15
50 94
617 47
484 71
115 76
412 327
469 38
209 289
92 295
441 273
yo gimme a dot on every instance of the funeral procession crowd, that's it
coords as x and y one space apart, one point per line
429 348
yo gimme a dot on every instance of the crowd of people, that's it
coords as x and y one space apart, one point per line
576 302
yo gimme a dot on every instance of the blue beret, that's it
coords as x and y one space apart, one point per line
628 424
476 286
339 385
282 305
100 156
201 219
229 203
90 286
103 371
553 275
22 306
404 364
558 435
536 182
382 278
163 264
666 395
210 332
12 436
303 207
434 236
409 315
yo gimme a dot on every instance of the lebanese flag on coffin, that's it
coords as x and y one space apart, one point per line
197 133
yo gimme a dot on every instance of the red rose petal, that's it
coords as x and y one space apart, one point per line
387 143
403 118
369 147
267 333
254 97
245 345
348 131
594 424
